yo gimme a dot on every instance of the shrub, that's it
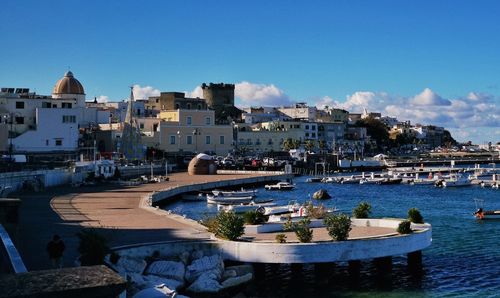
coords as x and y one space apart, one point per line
338 226
228 225
210 223
254 218
415 216
301 229
92 247
363 210
315 212
404 227
280 238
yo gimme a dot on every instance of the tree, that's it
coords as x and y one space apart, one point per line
290 144
376 129
309 145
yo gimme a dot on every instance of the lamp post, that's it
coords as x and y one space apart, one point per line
196 132
179 144
10 118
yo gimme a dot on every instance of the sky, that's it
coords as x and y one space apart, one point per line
430 62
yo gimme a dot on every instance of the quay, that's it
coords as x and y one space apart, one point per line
134 227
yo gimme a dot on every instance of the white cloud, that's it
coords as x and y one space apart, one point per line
145 92
251 94
429 98
102 99
197 92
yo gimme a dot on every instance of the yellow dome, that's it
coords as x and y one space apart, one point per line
68 85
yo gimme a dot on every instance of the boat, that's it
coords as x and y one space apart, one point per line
280 186
242 208
270 210
387 181
349 180
482 214
421 181
212 199
235 193
194 197
314 179
297 215
330 180
370 180
456 180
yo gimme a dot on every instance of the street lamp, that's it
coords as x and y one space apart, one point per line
196 132
179 144
10 118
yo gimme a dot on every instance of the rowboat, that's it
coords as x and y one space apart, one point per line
235 193
229 200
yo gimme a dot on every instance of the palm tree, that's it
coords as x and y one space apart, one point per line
309 145
290 144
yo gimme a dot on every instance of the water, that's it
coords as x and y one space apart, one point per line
463 260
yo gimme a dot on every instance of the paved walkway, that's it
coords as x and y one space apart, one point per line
117 212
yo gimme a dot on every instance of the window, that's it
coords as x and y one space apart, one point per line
189 120
189 140
307 126
46 105
46 142
172 140
155 127
19 104
313 127
66 105
58 142
188 106
307 134
313 134
208 121
199 107
221 140
270 142
68 119
257 142
141 125
207 140
176 106
249 141
138 112
19 120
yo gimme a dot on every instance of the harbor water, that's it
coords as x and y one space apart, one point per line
463 260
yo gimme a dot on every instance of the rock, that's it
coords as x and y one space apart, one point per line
241 269
236 281
168 269
149 281
197 254
205 283
184 257
228 274
321 194
156 292
130 265
214 264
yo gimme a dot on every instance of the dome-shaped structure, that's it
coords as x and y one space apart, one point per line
202 164
68 85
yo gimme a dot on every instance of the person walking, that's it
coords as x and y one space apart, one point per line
55 248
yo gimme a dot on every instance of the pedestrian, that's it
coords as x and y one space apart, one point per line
55 248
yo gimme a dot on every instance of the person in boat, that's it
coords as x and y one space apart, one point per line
479 213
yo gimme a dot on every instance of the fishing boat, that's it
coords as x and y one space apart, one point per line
297 215
242 208
370 180
330 180
482 214
420 181
349 180
280 186
456 180
314 179
270 210
212 199
235 193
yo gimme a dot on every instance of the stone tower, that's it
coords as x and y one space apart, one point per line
218 95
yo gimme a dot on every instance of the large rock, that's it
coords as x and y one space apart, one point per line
321 194
214 264
202 164
205 283
236 281
167 269
127 265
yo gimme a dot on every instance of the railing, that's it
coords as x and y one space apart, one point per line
10 260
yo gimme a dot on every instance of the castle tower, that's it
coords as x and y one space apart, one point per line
218 95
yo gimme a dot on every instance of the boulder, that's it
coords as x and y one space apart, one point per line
228 274
236 281
321 194
130 265
214 264
167 269
202 164
197 254
184 257
205 283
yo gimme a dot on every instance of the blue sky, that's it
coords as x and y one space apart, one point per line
379 55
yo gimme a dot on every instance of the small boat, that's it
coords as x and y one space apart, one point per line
314 179
292 206
421 182
235 193
252 206
370 180
349 180
297 215
387 181
229 200
487 214
456 180
330 180
194 197
280 186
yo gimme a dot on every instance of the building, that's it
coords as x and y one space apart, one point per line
300 111
220 98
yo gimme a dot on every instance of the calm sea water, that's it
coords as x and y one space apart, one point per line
463 260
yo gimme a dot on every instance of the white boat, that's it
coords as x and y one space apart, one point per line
422 181
456 180
314 179
235 193
229 200
370 180
242 208
301 213
292 206
330 180
280 186
349 180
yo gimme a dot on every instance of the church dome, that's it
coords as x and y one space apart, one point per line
68 85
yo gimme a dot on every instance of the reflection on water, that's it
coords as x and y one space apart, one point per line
463 260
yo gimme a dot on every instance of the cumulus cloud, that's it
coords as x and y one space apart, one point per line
102 99
197 92
429 98
145 92
251 94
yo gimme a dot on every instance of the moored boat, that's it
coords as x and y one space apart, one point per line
229 200
314 179
280 186
456 180
242 208
235 193
387 181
